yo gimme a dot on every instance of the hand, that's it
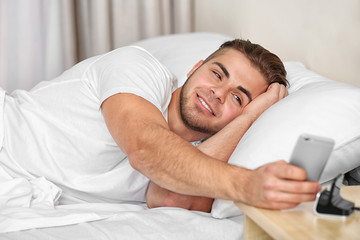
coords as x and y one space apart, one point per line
279 185
273 94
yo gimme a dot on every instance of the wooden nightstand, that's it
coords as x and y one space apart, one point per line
301 222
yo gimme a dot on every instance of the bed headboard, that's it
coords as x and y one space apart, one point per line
322 34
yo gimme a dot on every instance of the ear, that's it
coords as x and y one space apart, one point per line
195 67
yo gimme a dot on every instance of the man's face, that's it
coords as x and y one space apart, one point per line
218 91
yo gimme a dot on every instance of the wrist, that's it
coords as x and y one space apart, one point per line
251 116
240 179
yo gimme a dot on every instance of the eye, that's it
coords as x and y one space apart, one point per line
217 75
237 98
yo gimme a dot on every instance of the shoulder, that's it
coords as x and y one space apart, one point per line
131 70
131 58
131 51
129 54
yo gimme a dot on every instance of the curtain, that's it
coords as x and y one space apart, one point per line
39 39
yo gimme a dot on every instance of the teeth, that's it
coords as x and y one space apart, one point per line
205 105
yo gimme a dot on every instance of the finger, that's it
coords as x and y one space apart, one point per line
289 178
281 205
273 86
296 187
283 92
288 171
291 198
282 200
278 90
284 170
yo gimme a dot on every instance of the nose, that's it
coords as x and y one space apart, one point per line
219 94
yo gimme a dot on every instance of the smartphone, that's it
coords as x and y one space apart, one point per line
311 153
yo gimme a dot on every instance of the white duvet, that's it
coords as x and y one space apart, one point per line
29 210
128 221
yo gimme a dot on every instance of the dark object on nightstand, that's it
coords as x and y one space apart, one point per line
353 177
330 203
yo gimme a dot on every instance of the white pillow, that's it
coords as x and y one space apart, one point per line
315 105
180 52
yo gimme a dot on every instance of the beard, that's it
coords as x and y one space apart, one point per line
189 116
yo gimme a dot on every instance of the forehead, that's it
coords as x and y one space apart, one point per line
241 70
232 55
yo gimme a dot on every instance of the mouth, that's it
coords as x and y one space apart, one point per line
205 105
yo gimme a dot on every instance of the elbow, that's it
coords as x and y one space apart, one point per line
145 151
160 197
139 155
195 203
136 159
157 196
169 201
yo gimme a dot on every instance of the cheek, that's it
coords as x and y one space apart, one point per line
197 80
230 112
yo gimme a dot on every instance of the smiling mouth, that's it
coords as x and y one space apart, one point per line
205 105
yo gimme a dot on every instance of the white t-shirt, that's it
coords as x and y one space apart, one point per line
57 129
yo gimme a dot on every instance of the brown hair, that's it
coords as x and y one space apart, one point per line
269 65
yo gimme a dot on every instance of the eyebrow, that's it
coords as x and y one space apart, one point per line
247 93
227 74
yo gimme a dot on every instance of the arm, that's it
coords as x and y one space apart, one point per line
142 133
219 146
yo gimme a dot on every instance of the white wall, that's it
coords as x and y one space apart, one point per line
323 34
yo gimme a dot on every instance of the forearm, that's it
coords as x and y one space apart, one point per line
222 144
182 168
219 146
164 157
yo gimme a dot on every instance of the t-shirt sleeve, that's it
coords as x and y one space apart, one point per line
131 70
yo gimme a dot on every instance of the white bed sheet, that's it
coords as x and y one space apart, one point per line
29 210
127 221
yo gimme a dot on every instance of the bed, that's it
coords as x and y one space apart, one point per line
315 105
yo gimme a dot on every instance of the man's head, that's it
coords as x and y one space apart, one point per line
219 88
269 65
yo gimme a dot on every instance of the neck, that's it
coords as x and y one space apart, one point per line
176 123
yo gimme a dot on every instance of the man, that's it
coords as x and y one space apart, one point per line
87 131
